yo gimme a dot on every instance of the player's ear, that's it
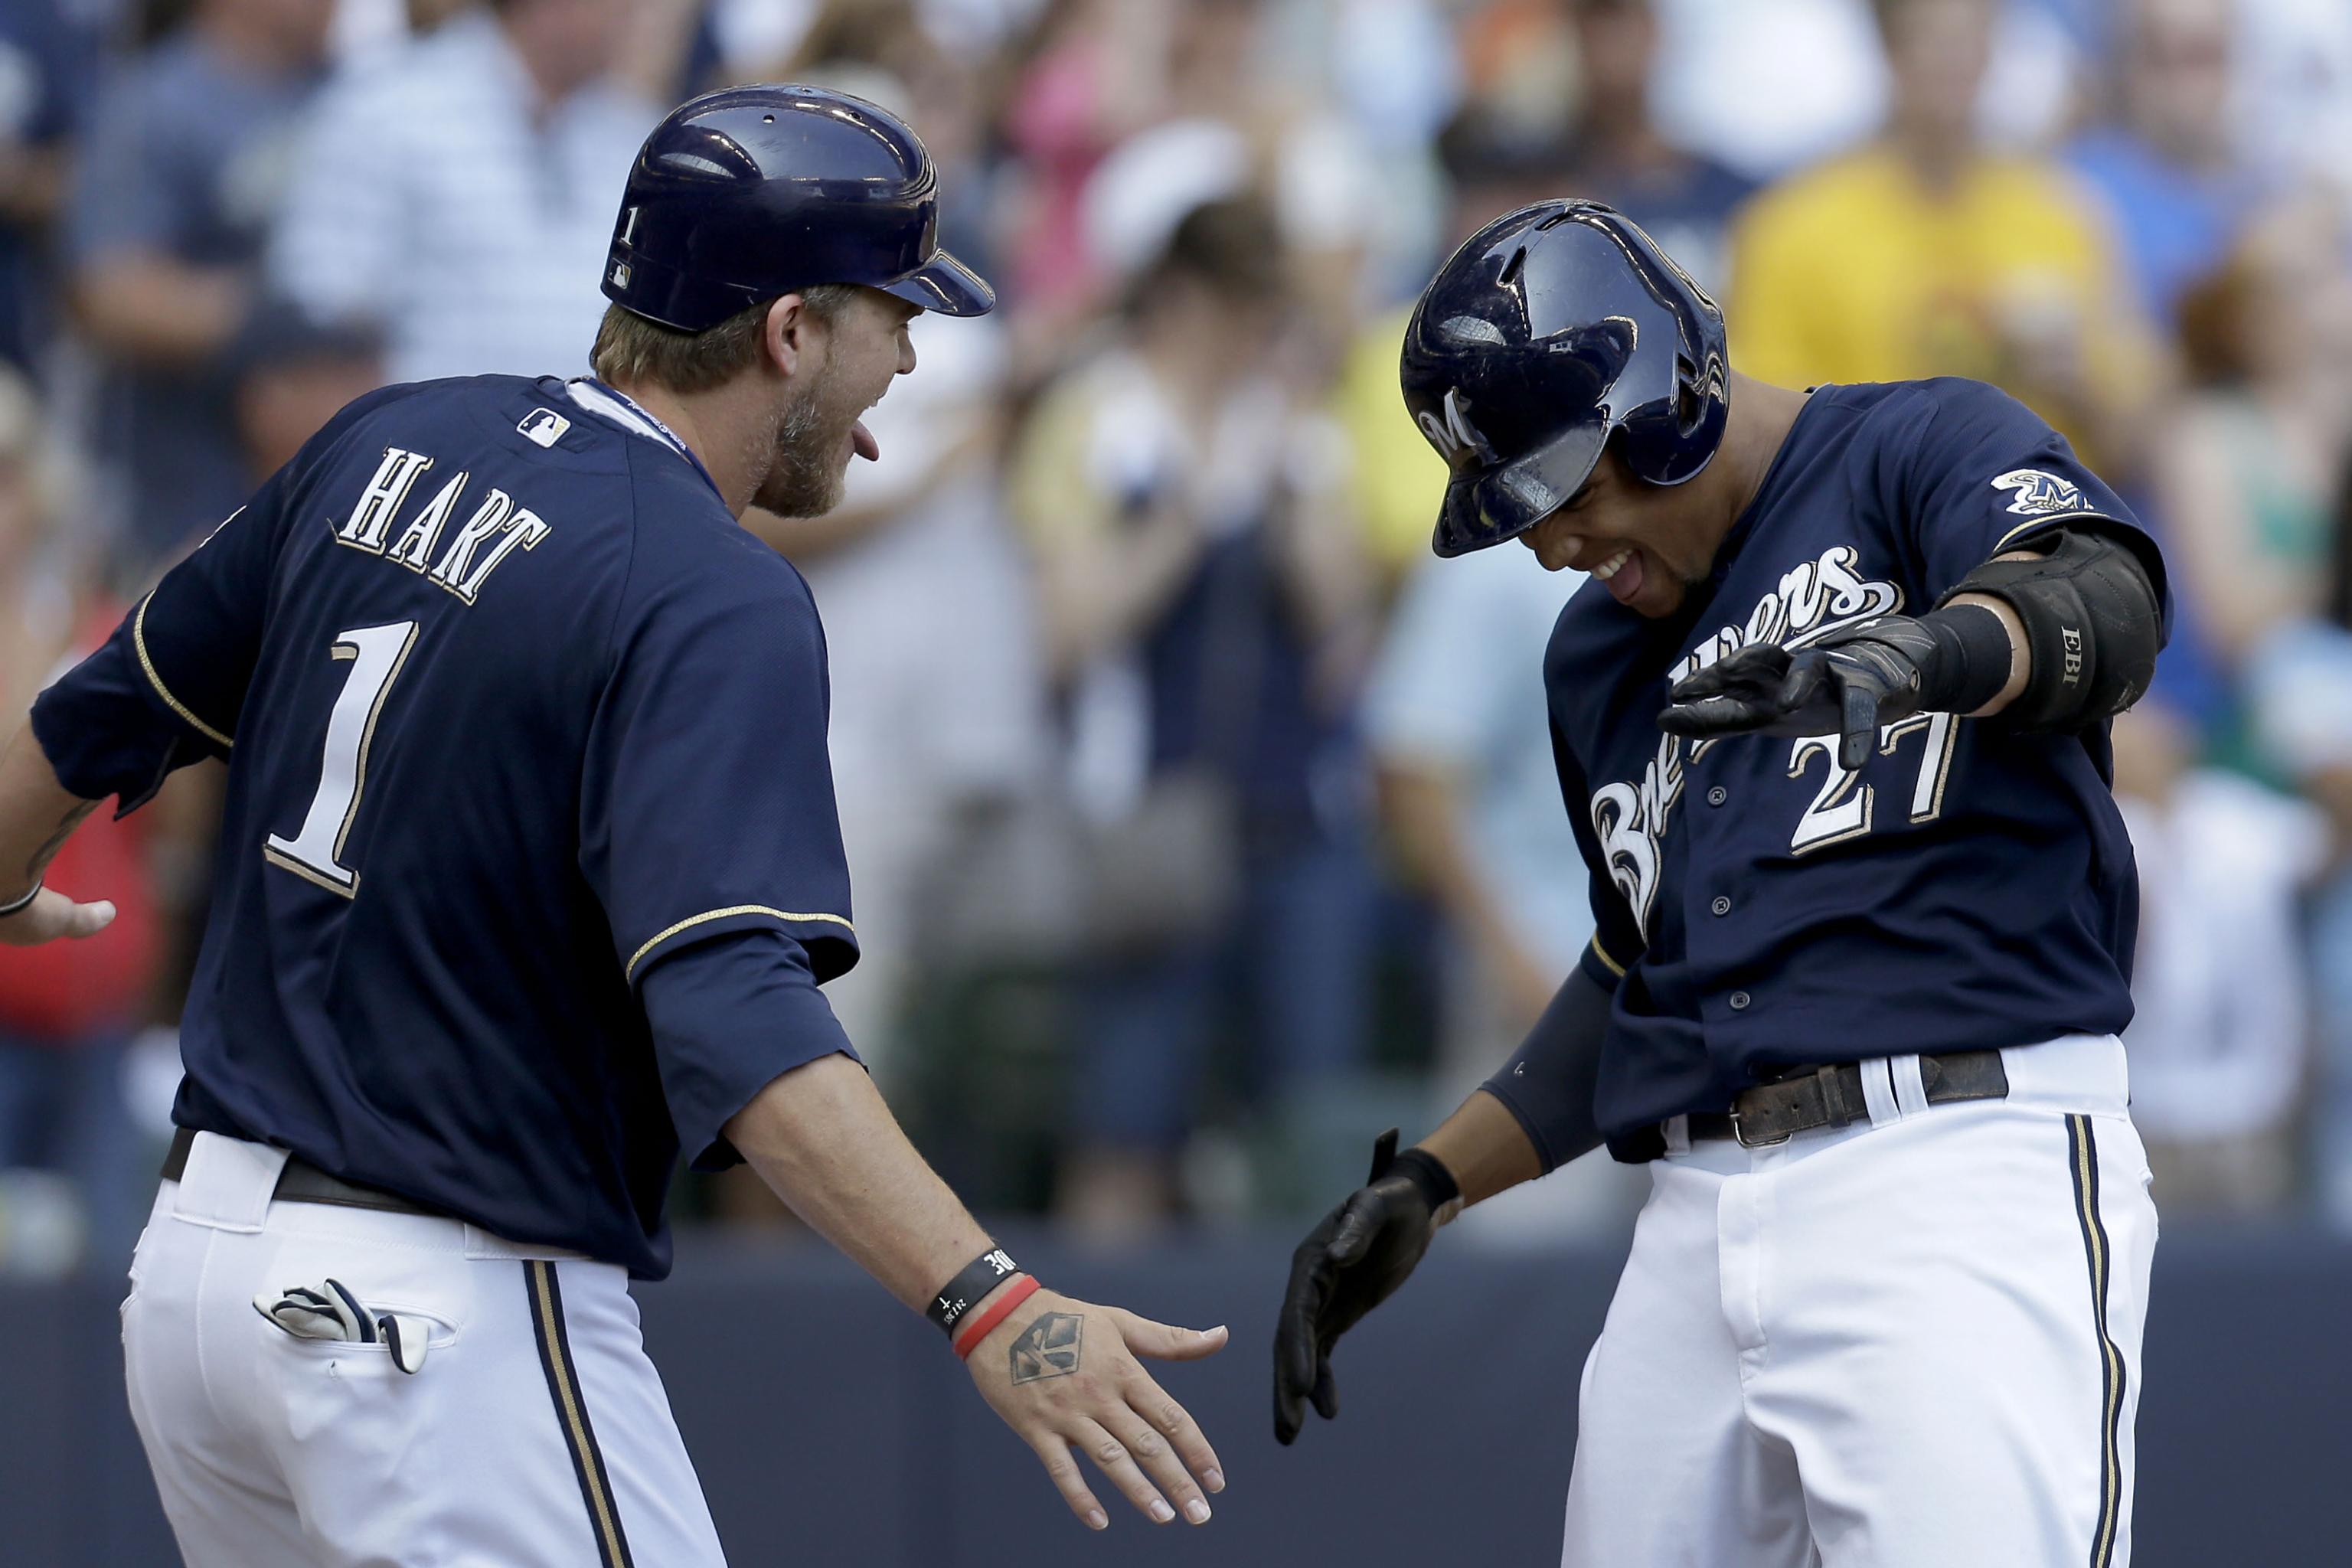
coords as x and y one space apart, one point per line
787 341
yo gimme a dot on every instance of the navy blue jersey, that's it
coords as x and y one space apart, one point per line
1756 905
522 727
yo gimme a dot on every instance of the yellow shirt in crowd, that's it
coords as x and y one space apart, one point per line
1857 271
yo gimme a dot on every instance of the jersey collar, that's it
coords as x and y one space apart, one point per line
618 407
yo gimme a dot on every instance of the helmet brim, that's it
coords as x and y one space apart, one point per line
945 285
1496 505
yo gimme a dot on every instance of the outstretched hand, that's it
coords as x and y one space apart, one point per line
1064 1375
1349 1264
1847 684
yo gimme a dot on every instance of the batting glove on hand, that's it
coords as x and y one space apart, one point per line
1847 684
1351 1263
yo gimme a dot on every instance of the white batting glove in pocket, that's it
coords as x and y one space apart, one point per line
329 1310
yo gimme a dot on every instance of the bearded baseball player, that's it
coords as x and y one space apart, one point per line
1832 723
529 874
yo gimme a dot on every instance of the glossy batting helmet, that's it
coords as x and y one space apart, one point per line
1551 330
752 192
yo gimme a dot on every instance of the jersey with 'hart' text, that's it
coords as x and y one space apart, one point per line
1756 905
520 720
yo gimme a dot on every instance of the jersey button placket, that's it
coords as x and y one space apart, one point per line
1717 796
1722 906
1740 1000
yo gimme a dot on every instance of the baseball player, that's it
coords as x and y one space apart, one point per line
529 876
1832 723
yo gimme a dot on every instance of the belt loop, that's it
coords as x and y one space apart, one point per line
1677 1131
1910 1085
1878 1091
228 1183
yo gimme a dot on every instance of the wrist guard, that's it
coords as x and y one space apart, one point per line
2092 626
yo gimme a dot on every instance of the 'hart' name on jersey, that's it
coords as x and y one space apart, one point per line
418 546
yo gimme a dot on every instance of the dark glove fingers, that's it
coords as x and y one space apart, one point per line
1359 1223
1858 722
1748 672
1383 1155
1717 716
1327 1391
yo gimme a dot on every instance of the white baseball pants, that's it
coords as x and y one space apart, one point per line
1913 1343
536 1435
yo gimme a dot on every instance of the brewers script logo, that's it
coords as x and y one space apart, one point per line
2041 494
1814 598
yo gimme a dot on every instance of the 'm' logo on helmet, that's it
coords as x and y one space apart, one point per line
1455 437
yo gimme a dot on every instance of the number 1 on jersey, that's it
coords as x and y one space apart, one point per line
376 654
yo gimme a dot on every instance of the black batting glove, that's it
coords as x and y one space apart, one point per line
1349 1264
1849 682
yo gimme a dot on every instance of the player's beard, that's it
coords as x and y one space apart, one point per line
809 457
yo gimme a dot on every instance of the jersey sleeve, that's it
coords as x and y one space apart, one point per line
707 802
728 1019
1977 473
1617 940
168 686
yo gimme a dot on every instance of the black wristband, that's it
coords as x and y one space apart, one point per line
1973 655
18 906
1429 1174
981 1276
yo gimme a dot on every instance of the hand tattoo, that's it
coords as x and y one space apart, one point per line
1047 1348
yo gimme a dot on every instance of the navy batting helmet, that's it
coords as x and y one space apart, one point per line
752 192
1552 329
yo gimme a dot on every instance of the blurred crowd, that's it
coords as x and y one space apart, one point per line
1201 823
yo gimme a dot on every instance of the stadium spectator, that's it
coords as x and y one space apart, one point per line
1201 591
2166 161
1684 199
2248 470
929 627
48 64
2300 681
458 195
66 1015
183 170
2219 1040
1492 162
1928 253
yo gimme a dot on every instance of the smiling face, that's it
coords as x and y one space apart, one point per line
861 347
1647 543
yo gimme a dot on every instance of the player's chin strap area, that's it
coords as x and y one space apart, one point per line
2091 625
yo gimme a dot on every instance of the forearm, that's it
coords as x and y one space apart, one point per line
1484 1147
822 1138
38 814
1536 1114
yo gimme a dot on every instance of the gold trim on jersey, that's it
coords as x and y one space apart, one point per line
139 641
709 915
2057 518
1601 954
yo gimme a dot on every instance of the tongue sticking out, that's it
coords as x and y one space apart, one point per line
1627 581
862 439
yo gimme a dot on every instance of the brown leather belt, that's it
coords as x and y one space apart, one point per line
1806 1099
303 1183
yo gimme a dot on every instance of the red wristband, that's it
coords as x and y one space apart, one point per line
979 1328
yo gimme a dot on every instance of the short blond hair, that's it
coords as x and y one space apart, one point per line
632 350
